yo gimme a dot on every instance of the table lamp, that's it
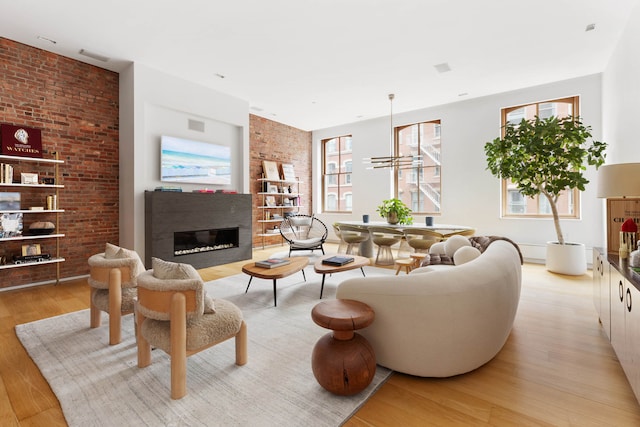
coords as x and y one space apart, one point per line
621 180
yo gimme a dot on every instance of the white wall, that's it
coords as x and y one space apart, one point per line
620 95
153 104
621 92
470 194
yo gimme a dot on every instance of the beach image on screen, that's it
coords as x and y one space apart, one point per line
194 162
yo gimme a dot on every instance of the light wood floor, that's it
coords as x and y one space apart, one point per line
557 367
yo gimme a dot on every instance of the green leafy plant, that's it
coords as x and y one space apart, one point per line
545 157
390 207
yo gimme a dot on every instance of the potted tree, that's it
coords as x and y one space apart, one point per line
395 211
545 157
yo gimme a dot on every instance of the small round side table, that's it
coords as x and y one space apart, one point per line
343 361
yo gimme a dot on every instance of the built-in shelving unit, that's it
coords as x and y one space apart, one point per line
24 189
277 197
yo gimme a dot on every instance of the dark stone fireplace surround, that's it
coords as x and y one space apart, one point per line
168 213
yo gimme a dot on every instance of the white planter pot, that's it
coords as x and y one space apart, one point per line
569 258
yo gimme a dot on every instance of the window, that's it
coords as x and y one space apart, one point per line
515 204
421 187
337 163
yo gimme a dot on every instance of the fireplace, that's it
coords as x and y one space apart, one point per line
201 229
214 239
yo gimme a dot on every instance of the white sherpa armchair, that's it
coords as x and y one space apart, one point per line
174 314
112 277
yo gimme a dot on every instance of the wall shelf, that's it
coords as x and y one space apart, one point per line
27 189
32 264
266 221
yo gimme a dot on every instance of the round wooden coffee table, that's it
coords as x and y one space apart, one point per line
343 361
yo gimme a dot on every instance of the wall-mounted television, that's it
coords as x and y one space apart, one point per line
194 162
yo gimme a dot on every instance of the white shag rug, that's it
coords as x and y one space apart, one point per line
101 385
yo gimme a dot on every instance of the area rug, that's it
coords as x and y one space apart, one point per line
101 385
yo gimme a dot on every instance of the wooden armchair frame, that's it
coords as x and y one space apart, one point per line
112 278
179 305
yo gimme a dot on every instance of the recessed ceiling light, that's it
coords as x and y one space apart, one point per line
254 108
93 55
442 68
47 39
220 76
463 94
590 27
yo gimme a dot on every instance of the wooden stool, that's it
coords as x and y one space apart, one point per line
418 257
407 263
343 362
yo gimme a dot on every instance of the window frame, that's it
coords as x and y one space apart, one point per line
505 197
408 174
340 181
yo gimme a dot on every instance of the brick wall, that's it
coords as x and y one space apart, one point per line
76 106
269 140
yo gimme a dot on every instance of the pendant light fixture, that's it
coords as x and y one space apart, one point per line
392 161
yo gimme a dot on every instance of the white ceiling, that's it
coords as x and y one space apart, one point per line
313 64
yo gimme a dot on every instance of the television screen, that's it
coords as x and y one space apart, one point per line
194 162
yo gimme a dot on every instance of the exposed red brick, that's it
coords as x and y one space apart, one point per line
76 106
269 140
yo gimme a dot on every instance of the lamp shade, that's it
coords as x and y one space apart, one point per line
619 180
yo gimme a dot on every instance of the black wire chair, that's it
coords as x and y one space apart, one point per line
304 233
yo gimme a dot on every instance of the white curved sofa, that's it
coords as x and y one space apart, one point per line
443 322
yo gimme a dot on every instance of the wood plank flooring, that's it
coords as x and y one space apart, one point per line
556 369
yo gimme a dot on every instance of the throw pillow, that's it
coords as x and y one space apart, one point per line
436 259
129 254
453 243
110 251
166 270
437 248
465 254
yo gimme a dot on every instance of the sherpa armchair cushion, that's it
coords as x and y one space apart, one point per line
225 322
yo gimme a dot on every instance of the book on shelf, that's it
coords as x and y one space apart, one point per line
272 263
6 173
338 260
168 188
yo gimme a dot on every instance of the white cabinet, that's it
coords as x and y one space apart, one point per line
43 193
632 336
616 290
618 316
601 290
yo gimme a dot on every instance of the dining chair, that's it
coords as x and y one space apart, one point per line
384 238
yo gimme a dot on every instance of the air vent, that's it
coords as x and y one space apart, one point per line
196 125
442 68
93 55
